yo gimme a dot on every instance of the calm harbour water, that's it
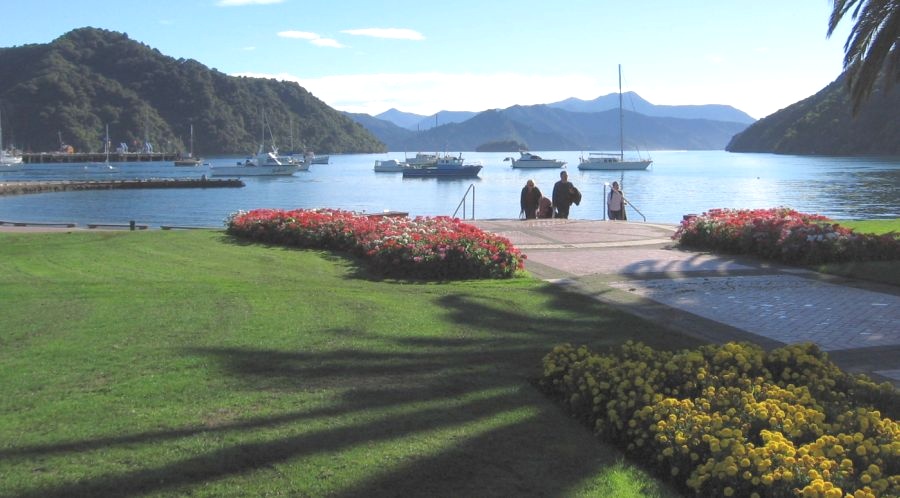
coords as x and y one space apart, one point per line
676 184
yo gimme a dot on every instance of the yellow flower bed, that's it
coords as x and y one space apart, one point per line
733 420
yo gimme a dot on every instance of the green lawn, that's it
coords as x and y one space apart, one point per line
886 272
872 226
183 363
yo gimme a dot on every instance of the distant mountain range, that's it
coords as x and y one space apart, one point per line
824 125
572 124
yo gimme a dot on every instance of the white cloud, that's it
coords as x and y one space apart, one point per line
428 93
313 38
393 33
239 3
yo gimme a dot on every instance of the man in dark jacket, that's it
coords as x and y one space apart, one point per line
564 194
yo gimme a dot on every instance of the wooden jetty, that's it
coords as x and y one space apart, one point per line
16 188
95 157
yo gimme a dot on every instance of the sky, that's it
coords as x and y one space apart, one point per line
423 56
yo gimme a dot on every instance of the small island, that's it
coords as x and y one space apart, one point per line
501 146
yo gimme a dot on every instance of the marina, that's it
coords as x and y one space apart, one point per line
679 183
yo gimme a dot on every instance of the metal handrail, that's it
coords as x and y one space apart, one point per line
633 207
462 202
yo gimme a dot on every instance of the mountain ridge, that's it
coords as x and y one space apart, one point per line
70 89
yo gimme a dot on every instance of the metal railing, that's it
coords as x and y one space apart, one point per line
638 211
462 203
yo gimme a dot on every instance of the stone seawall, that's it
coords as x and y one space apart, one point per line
17 188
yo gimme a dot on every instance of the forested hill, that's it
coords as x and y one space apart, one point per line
823 125
69 90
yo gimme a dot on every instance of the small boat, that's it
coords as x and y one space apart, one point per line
445 167
610 161
9 160
529 160
189 159
314 159
390 166
263 164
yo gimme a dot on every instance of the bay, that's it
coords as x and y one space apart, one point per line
678 183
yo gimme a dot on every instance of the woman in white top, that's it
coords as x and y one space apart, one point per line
615 204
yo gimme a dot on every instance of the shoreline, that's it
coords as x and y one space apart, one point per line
32 187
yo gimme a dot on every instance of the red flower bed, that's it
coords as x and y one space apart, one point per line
784 235
421 247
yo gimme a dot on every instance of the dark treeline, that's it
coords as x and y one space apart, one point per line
69 90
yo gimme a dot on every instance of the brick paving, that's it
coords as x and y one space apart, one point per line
719 298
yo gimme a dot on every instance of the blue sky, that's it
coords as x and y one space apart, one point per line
470 55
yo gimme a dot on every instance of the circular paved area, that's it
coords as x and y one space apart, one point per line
719 298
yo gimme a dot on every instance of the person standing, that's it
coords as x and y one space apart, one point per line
615 203
530 199
564 195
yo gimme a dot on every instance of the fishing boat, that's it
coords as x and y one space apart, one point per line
529 160
390 166
446 166
189 159
9 161
612 161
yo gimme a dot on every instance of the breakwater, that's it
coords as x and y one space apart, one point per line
17 188
95 157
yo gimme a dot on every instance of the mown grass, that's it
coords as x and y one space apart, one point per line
886 272
184 363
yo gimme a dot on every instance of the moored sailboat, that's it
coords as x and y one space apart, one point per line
611 161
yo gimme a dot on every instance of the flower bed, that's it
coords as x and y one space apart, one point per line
733 420
784 235
428 248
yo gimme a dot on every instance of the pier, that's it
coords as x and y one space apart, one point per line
17 188
95 157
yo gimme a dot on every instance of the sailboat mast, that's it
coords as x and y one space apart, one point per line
621 120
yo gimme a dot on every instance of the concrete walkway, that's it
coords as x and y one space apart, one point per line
635 266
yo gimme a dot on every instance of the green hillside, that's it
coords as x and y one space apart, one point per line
70 89
823 125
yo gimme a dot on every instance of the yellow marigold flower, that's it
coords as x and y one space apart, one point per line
728 491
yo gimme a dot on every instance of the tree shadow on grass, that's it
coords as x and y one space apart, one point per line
487 431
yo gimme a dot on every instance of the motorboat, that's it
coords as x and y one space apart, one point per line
390 166
314 159
610 161
446 166
529 160
263 164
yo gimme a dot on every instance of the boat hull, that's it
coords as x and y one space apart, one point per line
249 170
614 165
537 163
188 162
469 171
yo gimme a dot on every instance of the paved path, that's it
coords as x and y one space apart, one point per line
718 298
